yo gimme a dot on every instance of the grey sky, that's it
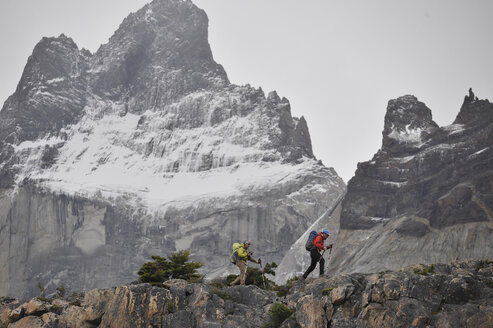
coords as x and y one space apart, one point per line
338 62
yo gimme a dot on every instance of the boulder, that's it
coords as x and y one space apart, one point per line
310 312
28 322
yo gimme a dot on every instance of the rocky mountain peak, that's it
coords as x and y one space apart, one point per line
474 110
49 61
50 92
407 124
164 41
428 186
146 148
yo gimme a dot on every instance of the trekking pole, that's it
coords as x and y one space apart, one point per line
262 270
321 256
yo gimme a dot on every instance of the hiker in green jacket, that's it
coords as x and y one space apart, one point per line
241 261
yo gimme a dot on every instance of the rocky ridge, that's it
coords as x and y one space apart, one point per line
144 148
426 195
455 295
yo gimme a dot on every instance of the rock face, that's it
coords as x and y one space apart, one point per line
297 258
455 295
426 196
144 148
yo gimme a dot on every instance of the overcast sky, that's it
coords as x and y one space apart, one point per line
338 62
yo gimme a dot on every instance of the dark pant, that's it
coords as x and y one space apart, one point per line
315 256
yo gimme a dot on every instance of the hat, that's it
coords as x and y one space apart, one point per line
326 231
246 242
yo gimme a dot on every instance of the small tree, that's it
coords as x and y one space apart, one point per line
60 290
42 289
176 266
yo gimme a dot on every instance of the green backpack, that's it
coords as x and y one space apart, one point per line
234 255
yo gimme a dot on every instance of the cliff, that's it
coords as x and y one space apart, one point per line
144 148
426 196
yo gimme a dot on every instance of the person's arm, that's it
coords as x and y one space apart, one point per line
252 259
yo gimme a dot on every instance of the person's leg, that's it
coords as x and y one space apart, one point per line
322 265
314 255
243 269
238 279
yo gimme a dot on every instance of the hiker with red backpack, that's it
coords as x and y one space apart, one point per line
240 257
314 245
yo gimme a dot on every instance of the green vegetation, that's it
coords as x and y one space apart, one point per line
278 313
489 283
75 298
217 288
327 291
57 309
75 303
176 266
60 290
425 269
220 292
171 307
483 264
284 289
254 276
216 284
77 295
42 289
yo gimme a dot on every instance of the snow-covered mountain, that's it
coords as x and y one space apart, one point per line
427 194
144 148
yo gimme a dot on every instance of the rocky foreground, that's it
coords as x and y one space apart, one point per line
455 295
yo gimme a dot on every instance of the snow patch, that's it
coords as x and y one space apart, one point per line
40 143
148 15
58 79
156 162
406 136
378 219
404 160
478 152
393 183
454 128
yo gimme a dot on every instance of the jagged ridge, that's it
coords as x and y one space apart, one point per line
143 148
426 195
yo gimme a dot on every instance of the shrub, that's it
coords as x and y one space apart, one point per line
425 269
216 284
171 307
254 276
42 289
60 290
75 303
278 313
283 290
327 291
482 264
220 292
176 266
